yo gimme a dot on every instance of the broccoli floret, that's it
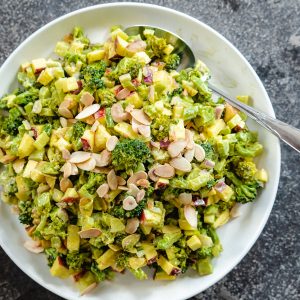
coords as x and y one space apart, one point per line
76 259
138 210
103 275
48 129
78 34
204 252
122 260
93 182
160 127
25 208
51 254
246 170
244 192
77 132
26 97
92 75
126 65
247 145
155 45
209 151
172 61
12 122
107 97
118 212
128 154
175 92
167 240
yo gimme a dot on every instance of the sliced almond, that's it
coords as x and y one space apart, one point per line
37 107
33 246
112 180
165 171
89 233
67 169
144 130
143 183
189 138
74 170
133 189
101 170
88 111
123 94
18 165
129 203
137 176
65 112
181 164
95 126
87 99
118 114
190 215
135 125
185 198
102 190
235 211
140 195
129 108
189 154
111 143
63 122
123 188
199 153
152 175
64 184
155 144
66 154
103 159
26 125
88 165
132 225
89 289
80 157
140 116
121 180
175 148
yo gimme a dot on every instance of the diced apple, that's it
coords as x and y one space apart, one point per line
73 239
142 57
38 65
26 146
230 112
58 269
46 76
69 84
101 137
121 46
95 55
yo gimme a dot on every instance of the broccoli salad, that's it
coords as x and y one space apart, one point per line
114 161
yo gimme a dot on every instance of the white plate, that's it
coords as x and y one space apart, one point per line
230 71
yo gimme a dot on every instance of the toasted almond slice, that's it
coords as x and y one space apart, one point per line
129 203
67 169
63 122
121 180
87 99
185 198
89 289
152 175
143 183
181 164
140 195
18 165
74 170
89 233
88 111
88 165
65 183
26 125
140 116
189 154
33 246
199 152
66 154
103 159
189 138
95 126
65 112
155 144
101 170
144 130
191 215
118 113
175 148
102 190
123 94
235 211
123 188
80 157
132 225
165 171
136 176
112 180
111 143
129 108
135 125
37 107
133 189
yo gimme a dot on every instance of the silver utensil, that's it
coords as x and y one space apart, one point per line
287 133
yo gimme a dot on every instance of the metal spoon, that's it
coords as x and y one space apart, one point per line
287 133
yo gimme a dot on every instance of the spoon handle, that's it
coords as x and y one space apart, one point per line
287 133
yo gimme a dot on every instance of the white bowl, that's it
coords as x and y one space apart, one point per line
230 71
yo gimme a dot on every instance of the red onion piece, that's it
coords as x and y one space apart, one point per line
191 215
85 144
137 46
209 163
100 113
220 186
164 144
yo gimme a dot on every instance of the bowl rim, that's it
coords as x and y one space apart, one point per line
277 149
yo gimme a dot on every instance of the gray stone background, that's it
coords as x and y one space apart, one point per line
267 32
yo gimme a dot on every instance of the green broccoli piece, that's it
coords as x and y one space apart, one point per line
107 97
246 170
118 212
75 259
77 132
204 252
128 154
126 65
155 45
122 260
138 210
244 192
25 80
92 75
103 275
172 61
93 182
26 97
48 129
160 127
167 240
25 212
51 254
210 152
78 34
175 92
247 145
12 122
